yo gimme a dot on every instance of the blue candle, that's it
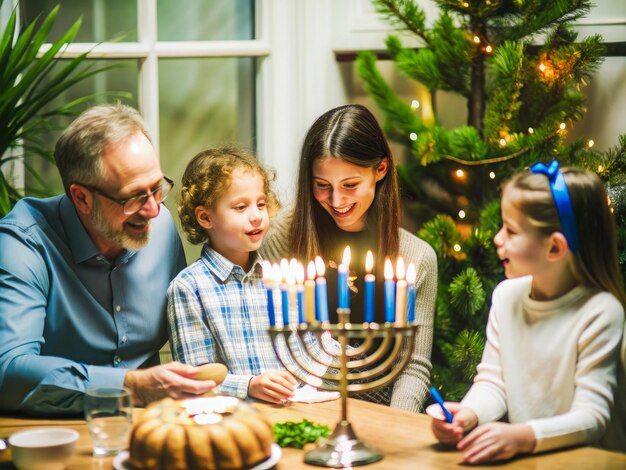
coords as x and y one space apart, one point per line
390 293
369 288
267 279
321 293
410 279
342 280
284 300
300 293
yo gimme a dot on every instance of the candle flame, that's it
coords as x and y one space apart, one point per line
346 257
369 262
284 269
276 272
411 274
320 267
388 269
267 270
400 268
310 270
299 273
293 265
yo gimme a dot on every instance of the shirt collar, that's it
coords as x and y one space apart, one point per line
223 268
82 246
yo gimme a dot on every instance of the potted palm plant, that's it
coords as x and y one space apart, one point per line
29 81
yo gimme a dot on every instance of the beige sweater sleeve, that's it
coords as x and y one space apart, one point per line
411 388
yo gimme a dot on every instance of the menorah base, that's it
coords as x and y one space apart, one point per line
342 449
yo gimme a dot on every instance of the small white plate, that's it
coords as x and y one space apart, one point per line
121 460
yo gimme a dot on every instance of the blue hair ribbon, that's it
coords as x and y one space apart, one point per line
562 201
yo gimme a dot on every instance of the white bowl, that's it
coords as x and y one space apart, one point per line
43 448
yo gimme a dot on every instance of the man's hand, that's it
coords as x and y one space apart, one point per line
275 387
173 379
496 441
463 420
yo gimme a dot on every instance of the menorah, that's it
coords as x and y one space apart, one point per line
375 362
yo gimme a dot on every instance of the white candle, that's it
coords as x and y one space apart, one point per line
400 293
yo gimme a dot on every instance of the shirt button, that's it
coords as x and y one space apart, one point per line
117 359
118 308
124 339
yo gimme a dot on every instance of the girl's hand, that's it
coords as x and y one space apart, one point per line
496 441
275 387
463 420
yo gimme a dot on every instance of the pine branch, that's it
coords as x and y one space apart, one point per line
404 14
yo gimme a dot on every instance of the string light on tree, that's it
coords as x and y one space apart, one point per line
476 40
503 142
562 126
531 131
488 49
461 214
415 105
413 136
492 175
456 247
590 143
460 173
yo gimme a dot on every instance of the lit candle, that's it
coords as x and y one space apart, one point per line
321 293
267 280
400 293
411 275
342 280
309 293
300 291
390 292
284 296
369 287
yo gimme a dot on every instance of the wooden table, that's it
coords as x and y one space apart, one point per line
403 437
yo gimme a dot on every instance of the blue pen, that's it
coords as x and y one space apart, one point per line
437 397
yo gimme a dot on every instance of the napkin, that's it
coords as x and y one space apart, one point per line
308 394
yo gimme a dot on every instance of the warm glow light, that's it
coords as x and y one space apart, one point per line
388 269
531 130
413 136
542 67
460 173
562 126
461 214
488 49
276 274
299 273
492 175
502 142
476 39
346 256
267 270
369 262
310 270
284 269
600 168
590 143
456 247
411 274
465 4
320 267
415 104
400 268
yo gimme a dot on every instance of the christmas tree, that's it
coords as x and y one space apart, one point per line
521 100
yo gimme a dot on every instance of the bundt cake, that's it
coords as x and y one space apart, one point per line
202 433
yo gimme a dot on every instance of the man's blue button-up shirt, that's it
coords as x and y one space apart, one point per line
71 319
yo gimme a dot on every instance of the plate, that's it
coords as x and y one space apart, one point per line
121 460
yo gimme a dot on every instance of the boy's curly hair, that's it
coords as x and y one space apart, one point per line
208 175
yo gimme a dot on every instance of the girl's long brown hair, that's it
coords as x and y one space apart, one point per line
350 133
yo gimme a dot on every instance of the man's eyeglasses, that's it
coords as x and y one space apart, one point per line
135 203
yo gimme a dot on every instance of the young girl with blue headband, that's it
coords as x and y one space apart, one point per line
555 326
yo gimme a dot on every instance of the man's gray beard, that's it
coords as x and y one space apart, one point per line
117 237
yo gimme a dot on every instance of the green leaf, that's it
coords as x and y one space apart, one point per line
293 434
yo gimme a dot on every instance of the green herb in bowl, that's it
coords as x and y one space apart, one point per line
292 434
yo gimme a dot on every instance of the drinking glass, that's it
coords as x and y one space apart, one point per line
108 412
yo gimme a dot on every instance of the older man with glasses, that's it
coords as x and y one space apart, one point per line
83 276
